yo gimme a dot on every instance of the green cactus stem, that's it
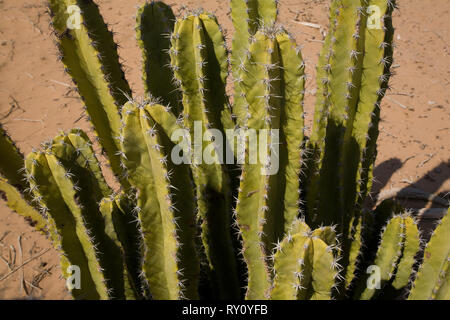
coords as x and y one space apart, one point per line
17 202
164 206
247 17
432 279
66 181
68 232
304 266
395 245
154 24
199 61
14 184
272 80
89 54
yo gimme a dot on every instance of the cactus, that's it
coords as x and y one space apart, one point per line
399 240
66 181
304 265
120 226
89 54
164 212
199 61
352 77
353 72
303 231
247 16
13 185
273 102
432 279
17 202
154 25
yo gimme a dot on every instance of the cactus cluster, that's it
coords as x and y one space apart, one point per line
290 223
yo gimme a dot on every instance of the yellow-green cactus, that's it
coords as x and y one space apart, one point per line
272 82
353 72
67 183
433 278
154 25
165 205
14 184
89 54
305 266
199 62
167 234
247 17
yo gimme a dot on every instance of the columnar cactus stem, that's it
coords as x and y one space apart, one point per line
292 123
395 244
184 200
341 82
316 142
76 172
411 246
13 184
11 161
199 61
169 260
17 201
77 142
273 69
261 84
432 280
154 25
304 265
53 188
325 272
352 78
247 17
354 254
90 57
119 228
292 266
374 83
128 232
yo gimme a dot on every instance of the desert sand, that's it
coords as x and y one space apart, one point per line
37 100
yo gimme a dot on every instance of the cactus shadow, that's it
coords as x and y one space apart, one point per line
430 182
384 172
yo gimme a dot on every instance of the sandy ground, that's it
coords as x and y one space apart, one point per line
37 101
